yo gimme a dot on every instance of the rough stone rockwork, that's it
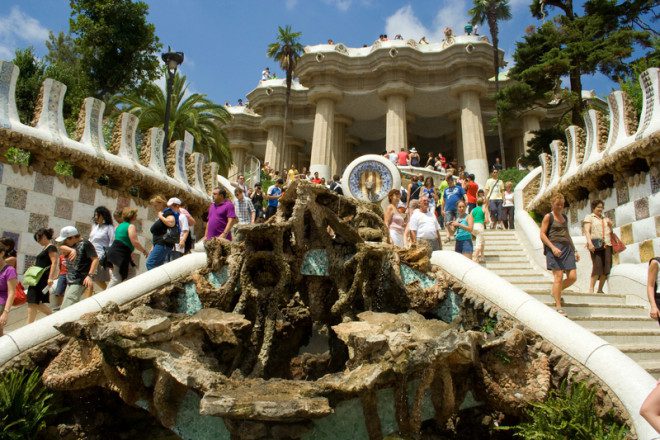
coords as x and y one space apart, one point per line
297 315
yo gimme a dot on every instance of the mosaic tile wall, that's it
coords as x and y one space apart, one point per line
32 201
635 213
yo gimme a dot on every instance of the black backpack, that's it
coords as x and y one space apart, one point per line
173 234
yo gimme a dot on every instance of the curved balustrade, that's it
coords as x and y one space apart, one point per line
48 141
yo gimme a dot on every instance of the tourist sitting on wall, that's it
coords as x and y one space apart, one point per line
46 264
402 158
273 195
102 236
398 37
221 216
81 269
463 225
164 231
335 185
119 256
331 41
414 158
598 230
450 198
245 212
430 161
265 74
478 227
240 102
394 220
559 250
184 229
316 179
494 193
257 199
497 165
8 283
424 227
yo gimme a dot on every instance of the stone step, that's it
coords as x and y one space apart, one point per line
514 272
497 265
581 298
507 258
488 252
640 352
500 232
593 323
586 310
615 337
504 246
525 278
532 284
653 367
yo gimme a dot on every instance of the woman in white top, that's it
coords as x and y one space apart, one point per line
507 205
102 236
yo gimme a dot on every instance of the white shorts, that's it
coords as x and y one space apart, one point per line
477 231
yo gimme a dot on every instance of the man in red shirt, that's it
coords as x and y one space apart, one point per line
316 178
471 188
402 158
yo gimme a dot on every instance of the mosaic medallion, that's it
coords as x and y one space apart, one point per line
370 178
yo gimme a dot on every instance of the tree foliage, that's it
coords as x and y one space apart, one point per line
539 144
116 44
286 50
32 74
195 114
602 39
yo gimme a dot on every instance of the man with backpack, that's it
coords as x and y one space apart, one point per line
165 232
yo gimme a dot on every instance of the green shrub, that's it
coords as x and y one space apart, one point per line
24 405
18 156
513 174
569 413
63 168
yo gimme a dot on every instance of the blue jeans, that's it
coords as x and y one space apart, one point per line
158 256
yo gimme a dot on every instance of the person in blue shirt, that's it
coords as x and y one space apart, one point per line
273 194
451 196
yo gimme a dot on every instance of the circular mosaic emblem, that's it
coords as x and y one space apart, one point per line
370 178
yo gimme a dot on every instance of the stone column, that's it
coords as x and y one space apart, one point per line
460 157
349 149
292 152
396 132
531 121
472 134
239 151
274 142
339 144
325 98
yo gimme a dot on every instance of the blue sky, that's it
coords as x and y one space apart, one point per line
225 41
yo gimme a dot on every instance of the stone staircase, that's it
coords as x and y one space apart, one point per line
624 325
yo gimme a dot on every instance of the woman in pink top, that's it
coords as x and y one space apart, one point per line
394 220
8 283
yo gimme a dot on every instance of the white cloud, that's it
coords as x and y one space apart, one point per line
290 4
18 28
342 5
405 22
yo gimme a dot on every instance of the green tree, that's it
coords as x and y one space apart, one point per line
32 74
540 143
492 12
570 45
116 44
195 114
286 50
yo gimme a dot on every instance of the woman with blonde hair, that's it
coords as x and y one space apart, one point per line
394 220
559 250
119 255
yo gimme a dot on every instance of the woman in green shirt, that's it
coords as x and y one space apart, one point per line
126 241
478 231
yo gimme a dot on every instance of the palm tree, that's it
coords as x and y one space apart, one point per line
493 11
286 50
195 114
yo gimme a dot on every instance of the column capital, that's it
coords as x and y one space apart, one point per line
271 121
240 144
328 92
396 88
343 119
536 112
295 142
469 85
353 140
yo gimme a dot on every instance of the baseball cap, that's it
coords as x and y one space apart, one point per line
174 201
67 232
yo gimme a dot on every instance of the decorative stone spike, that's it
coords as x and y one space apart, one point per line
650 123
128 125
156 161
91 118
211 176
180 174
575 139
170 159
50 104
622 121
8 78
558 150
198 171
546 165
595 127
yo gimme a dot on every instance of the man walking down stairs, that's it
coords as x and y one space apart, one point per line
625 325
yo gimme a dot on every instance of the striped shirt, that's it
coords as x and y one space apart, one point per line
244 209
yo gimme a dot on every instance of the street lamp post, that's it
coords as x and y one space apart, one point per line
172 61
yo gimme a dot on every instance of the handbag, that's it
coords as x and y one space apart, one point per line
32 275
599 243
617 245
19 296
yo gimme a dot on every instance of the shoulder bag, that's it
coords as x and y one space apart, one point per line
32 275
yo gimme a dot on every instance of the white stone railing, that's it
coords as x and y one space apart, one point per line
603 145
625 378
48 141
30 336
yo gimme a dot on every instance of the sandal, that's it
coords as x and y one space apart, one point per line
561 312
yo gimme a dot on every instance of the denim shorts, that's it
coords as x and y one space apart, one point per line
463 246
450 216
61 286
